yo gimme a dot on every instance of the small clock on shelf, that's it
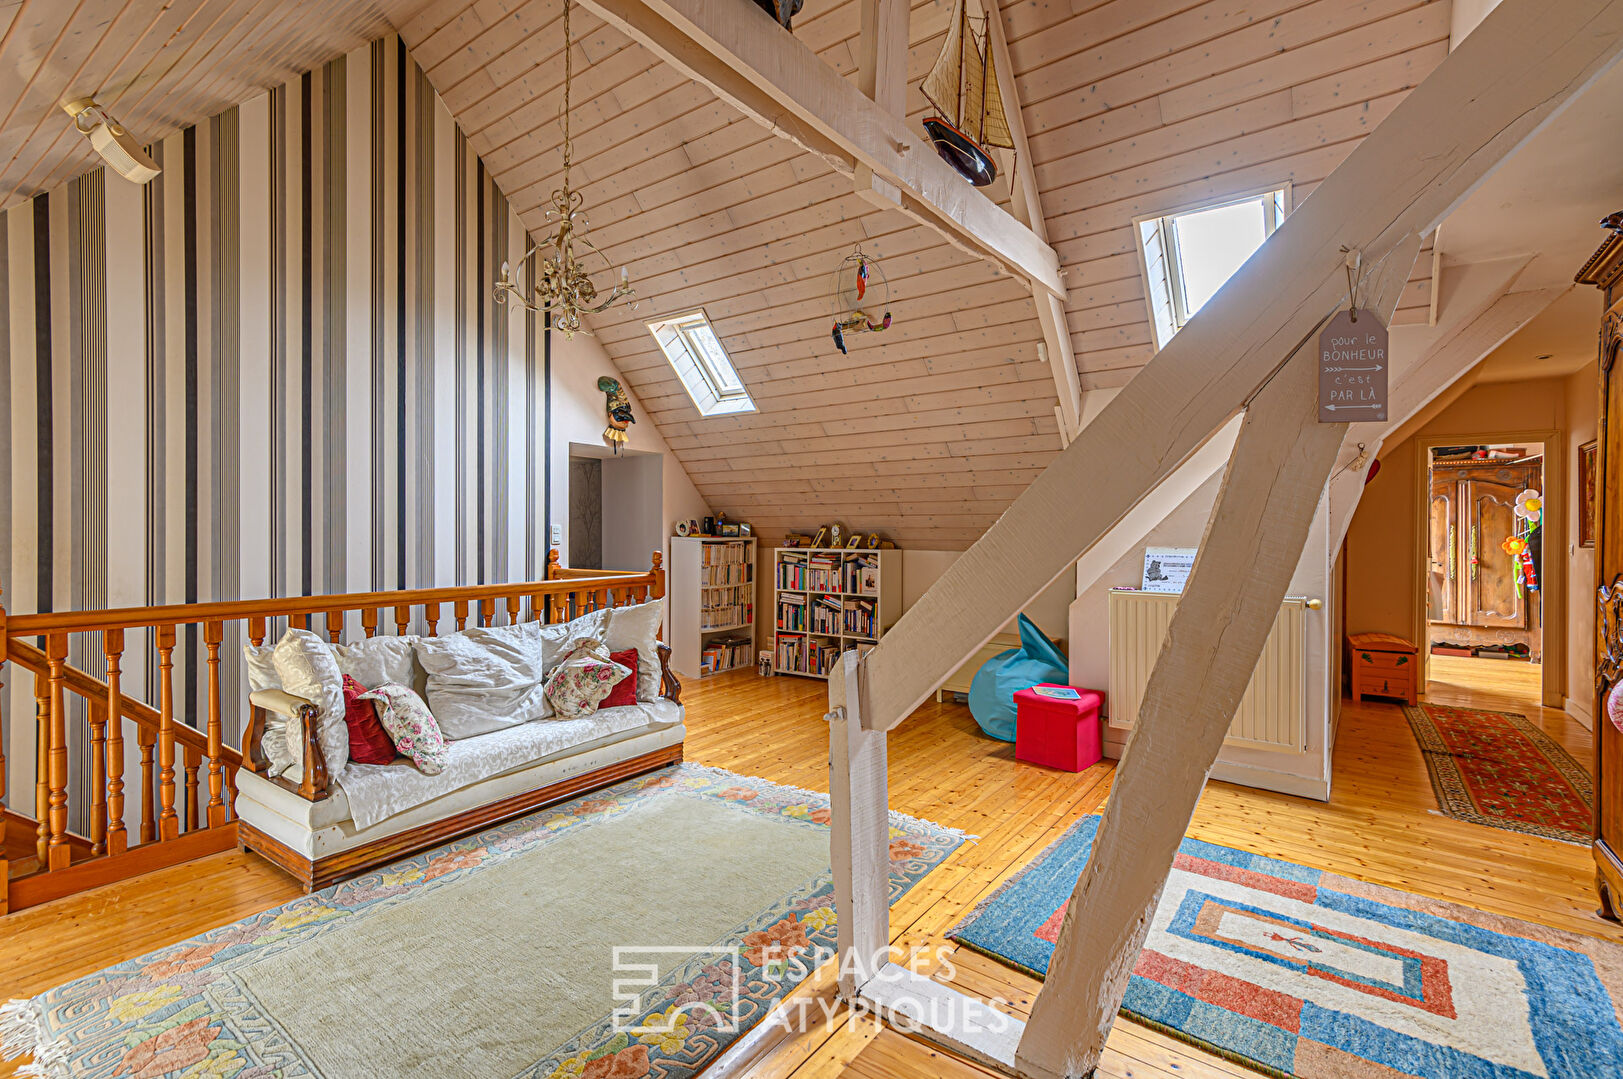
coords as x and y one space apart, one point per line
836 535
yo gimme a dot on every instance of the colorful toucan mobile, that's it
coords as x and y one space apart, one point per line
851 287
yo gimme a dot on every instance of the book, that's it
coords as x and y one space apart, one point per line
1059 693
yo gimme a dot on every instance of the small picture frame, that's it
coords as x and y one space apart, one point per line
745 530
854 543
821 538
729 529
1586 494
682 528
873 541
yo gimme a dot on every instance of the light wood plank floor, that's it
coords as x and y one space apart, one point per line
1380 826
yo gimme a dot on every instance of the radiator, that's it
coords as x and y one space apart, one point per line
1272 713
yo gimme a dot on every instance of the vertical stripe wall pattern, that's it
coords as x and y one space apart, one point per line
277 369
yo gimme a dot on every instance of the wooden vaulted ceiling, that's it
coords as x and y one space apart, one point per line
925 432
156 65
928 431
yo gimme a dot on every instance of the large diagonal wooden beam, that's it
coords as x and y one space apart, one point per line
1253 543
749 61
1506 80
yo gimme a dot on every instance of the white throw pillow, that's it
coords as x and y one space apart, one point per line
307 668
377 661
261 669
559 640
482 680
638 627
581 681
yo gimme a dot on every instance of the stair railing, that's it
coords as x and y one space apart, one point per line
187 776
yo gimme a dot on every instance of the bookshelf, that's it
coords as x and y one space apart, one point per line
826 600
710 605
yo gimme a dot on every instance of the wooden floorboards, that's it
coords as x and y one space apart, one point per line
1381 825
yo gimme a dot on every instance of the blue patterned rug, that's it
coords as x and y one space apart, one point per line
558 946
1299 972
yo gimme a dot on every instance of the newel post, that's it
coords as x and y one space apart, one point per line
659 575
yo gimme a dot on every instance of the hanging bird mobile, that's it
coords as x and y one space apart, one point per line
858 281
620 417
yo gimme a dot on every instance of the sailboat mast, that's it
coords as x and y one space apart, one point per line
964 43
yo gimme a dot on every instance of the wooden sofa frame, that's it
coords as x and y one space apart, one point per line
566 594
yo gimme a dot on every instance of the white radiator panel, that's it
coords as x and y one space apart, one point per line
1273 712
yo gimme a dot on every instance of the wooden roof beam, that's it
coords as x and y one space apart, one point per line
1524 62
749 61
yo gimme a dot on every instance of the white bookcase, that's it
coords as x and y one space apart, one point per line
826 600
710 604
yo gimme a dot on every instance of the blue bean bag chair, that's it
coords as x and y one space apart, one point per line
991 694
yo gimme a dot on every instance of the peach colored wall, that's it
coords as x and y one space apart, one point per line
1582 404
1383 546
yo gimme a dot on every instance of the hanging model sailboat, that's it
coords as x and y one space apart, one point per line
963 88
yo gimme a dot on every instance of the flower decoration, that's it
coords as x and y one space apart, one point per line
1514 546
1529 504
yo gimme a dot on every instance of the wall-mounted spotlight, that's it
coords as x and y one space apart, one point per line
116 146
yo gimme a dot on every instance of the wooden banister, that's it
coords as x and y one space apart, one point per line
187 776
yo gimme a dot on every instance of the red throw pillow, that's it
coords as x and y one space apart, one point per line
625 690
369 743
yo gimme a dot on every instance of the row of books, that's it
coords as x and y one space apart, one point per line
716 554
861 575
723 615
727 573
824 612
792 613
806 655
724 654
860 618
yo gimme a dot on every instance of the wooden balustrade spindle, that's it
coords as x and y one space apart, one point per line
335 626
256 631
515 607
168 822
147 738
402 619
431 615
117 837
213 634
460 609
56 655
487 612
98 778
369 621
194 764
42 768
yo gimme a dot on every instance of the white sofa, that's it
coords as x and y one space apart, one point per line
324 829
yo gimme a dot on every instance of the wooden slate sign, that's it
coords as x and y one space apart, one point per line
1352 369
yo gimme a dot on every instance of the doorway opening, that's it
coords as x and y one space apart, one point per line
616 508
1484 568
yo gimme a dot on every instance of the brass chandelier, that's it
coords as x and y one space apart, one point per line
563 285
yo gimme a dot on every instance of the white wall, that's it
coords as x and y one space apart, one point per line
633 509
579 415
1582 410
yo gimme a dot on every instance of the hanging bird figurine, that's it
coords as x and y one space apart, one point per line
851 291
620 417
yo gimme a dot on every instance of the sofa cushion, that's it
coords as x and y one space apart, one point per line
625 690
377 661
307 668
369 743
411 725
638 627
585 677
486 679
260 667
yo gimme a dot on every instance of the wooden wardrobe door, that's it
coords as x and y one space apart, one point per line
1491 597
1442 602
1609 566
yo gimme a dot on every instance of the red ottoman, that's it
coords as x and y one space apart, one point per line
1056 732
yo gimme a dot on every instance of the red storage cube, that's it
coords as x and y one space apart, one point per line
1056 732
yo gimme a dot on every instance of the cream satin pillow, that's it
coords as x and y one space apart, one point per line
638 627
307 668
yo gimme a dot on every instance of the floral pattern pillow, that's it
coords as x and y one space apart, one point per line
411 725
584 677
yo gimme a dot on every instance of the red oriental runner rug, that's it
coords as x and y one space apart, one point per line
1498 769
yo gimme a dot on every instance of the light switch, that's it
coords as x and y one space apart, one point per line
557 534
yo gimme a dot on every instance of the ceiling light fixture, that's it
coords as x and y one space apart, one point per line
116 146
564 286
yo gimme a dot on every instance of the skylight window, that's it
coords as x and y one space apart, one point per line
1188 256
696 355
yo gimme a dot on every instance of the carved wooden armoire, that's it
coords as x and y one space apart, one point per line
1474 594
1605 270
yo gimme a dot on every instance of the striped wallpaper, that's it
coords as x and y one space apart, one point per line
276 369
